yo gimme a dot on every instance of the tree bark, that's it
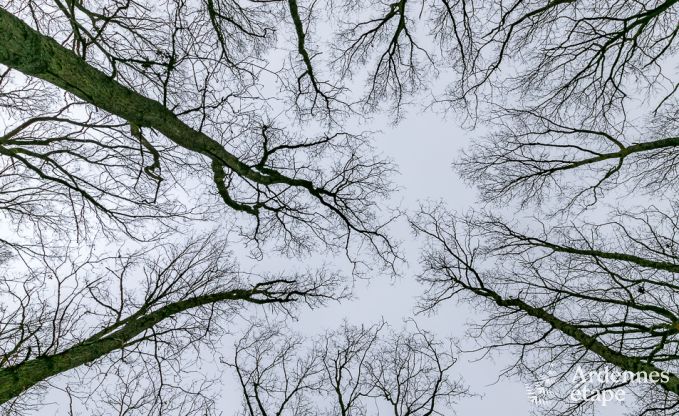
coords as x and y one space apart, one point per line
624 362
16 379
26 50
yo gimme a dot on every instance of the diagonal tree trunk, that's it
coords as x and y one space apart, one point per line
16 379
26 50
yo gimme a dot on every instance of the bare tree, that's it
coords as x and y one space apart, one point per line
586 56
129 123
275 373
345 372
280 180
533 159
571 297
140 311
572 261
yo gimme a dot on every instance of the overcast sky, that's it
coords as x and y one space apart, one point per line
423 146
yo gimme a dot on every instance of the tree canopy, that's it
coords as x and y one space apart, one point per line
128 125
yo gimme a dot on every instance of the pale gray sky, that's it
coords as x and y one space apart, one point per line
423 147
